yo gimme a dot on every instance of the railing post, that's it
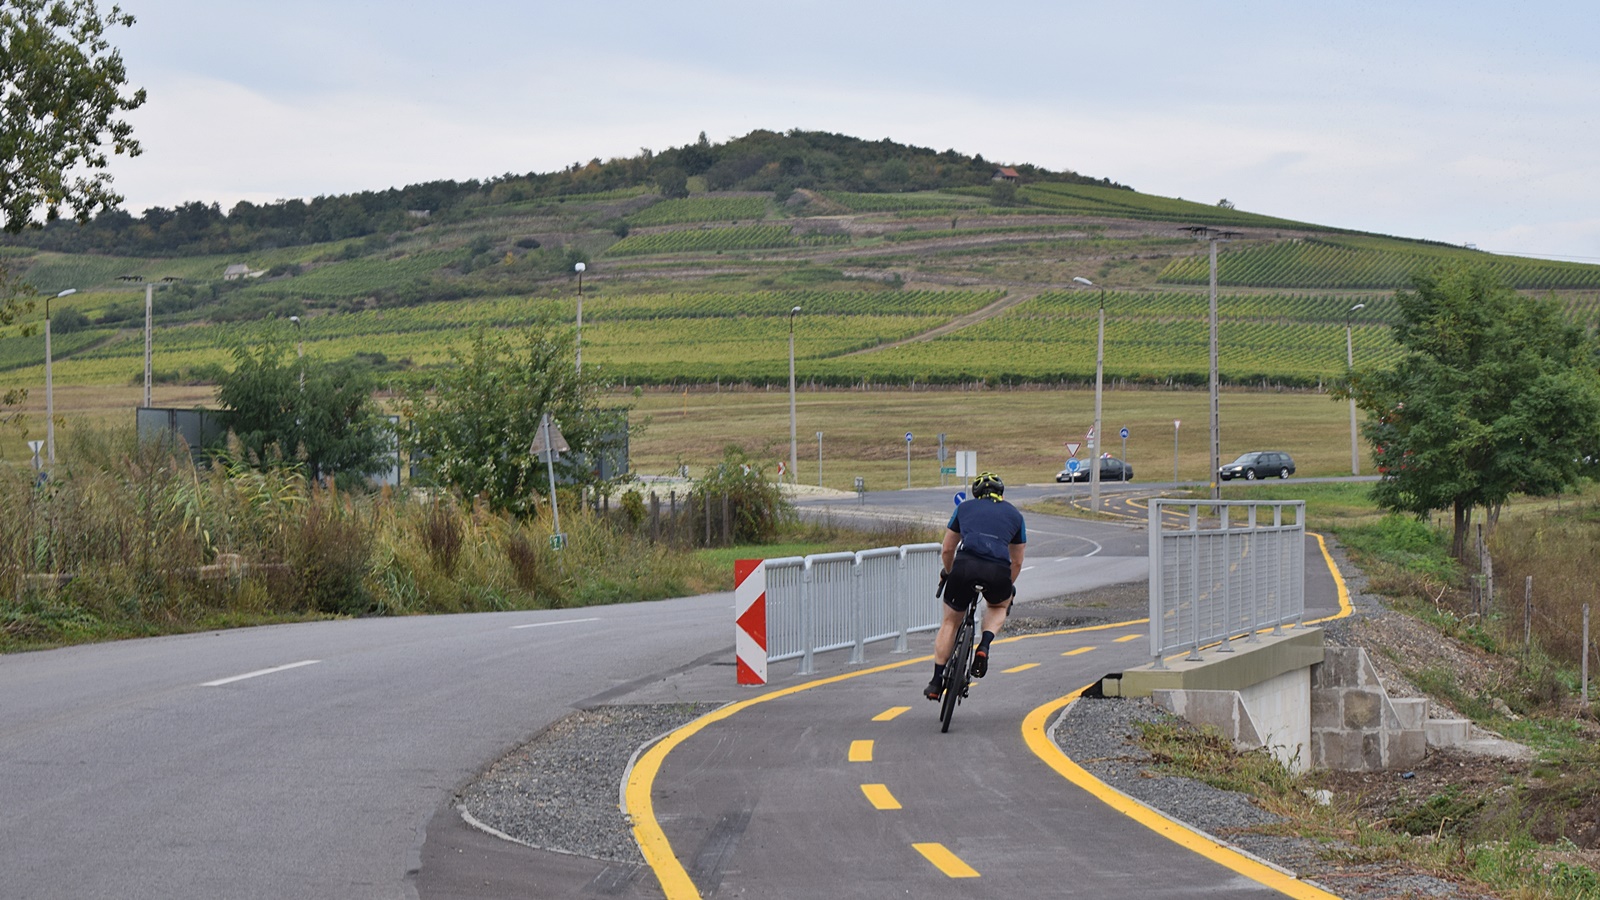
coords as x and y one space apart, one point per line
1227 581
1157 588
1277 569
858 623
902 593
1194 606
808 620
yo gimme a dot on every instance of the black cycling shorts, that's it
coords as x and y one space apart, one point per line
961 588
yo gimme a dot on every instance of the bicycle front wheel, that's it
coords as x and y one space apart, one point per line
955 677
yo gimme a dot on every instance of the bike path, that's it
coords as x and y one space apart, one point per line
847 788
778 795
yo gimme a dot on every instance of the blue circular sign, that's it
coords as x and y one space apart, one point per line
1124 434
1072 464
908 437
960 497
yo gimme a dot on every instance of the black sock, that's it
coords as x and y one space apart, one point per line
938 670
984 644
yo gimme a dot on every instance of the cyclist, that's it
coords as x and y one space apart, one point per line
984 544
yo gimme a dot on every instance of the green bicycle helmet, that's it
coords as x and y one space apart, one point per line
988 484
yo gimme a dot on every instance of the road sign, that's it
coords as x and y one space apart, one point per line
1124 434
908 437
1072 448
1073 464
961 497
947 470
558 541
1174 424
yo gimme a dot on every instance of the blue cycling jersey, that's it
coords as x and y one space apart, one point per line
988 528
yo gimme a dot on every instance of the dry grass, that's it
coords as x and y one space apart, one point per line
1019 433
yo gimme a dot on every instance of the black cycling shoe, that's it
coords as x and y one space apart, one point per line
980 664
934 689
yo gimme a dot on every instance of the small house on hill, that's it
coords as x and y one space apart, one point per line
238 271
1006 173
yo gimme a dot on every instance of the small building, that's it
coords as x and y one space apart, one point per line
1006 173
240 270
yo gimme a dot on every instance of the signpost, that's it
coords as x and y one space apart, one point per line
1124 445
547 443
908 459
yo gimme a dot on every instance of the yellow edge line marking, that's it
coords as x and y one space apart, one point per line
1033 731
653 844
1077 651
945 861
1130 637
1338 581
1022 668
861 751
890 713
880 798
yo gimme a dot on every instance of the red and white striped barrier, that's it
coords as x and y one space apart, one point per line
750 620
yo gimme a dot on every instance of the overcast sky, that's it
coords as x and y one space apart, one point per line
1467 122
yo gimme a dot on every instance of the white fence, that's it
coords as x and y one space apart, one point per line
830 601
1221 569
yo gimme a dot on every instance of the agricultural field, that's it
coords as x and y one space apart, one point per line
919 202
717 240
1346 263
1018 433
701 209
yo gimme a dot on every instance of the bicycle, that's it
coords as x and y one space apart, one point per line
956 682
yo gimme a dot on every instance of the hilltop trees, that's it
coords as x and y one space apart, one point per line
759 161
1496 394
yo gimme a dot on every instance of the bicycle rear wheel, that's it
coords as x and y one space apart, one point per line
955 676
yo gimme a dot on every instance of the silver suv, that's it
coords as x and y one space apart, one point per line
1258 464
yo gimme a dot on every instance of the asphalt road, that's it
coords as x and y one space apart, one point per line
309 761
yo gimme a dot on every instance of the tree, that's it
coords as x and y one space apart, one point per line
327 422
473 430
1496 394
60 92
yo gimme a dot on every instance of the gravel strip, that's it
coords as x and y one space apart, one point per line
560 791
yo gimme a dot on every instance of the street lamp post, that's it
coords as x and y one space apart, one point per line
49 383
149 308
149 327
1350 363
793 446
1099 372
579 267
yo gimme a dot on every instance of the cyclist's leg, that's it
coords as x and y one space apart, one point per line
958 592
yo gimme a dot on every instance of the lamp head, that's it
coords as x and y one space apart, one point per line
1358 306
1082 280
295 321
579 267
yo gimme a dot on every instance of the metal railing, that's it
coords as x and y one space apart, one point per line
1215 575
831 601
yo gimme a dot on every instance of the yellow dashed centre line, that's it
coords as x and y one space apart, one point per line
1129 637
861 751
945 861
880 798
1022 668
1077 651
890 713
